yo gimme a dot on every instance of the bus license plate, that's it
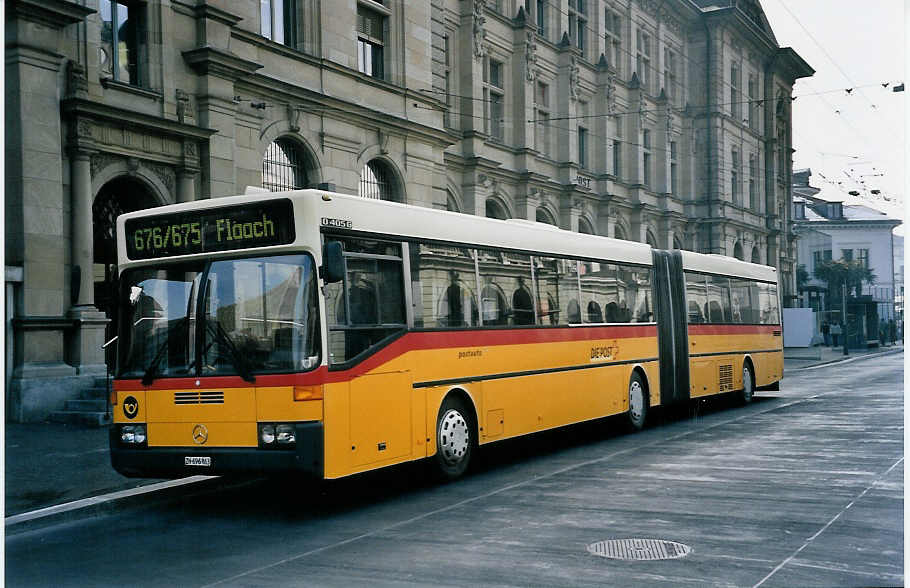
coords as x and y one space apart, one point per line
197 461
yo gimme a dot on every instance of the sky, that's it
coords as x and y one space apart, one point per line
857 140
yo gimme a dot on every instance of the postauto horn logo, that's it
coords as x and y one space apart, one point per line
130 407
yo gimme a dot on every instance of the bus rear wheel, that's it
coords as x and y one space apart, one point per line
745 395
638 403
454 439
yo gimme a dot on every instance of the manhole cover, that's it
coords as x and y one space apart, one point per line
639 549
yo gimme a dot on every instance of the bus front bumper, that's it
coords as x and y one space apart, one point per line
305 457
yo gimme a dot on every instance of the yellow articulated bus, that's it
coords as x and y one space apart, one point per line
328 334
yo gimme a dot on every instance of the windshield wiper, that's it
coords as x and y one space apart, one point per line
237 358
152 371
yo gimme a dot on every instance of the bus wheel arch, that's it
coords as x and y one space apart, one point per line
639 399
748 390
456 434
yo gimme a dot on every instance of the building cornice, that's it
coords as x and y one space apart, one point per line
82 107
224 64
52 13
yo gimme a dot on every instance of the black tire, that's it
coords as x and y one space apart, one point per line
638 403
455 438
748 390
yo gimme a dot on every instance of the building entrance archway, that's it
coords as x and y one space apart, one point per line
118 196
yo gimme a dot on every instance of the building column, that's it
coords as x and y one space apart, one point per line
82 242
87 336
186 185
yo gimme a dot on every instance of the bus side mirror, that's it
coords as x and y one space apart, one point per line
332 262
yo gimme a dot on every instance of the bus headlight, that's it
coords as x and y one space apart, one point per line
285 434
267 434
132 434
273 435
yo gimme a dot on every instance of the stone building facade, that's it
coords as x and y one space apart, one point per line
661 122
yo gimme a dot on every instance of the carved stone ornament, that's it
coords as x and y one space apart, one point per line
642 106
189 149
574 75
649 6
183 104
610 92
100 161
477 27
293 118
531 57
383 142
488 183
77 80
84 129
166 175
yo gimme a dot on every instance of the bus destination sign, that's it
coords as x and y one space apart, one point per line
258 224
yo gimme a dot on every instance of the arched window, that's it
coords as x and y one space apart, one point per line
677 244
544 216
451 202
756 256
376 181
585 227
282 167
650 239
618 232
495 210
738 251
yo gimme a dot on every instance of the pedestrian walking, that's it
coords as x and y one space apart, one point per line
836 332
826 333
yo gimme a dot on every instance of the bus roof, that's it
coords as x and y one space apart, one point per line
729 266
402 220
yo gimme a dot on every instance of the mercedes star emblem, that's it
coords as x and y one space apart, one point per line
200 434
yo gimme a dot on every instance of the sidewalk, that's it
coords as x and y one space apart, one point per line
49 464
801 357
53 463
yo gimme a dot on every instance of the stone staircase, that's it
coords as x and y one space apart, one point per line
90 409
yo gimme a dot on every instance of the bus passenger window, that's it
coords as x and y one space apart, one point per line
522 305
368 305
547 277
697 297
443 282
719 296
506 297
598 284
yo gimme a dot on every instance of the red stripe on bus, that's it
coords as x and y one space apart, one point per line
413 341
732 329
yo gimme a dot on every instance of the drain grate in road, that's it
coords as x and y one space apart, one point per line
639 549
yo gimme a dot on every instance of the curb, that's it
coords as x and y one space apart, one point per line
846 359
150 495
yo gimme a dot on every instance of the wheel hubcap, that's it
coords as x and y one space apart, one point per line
747 383
453 436
636 401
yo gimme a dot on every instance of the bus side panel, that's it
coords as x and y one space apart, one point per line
769 367
337 406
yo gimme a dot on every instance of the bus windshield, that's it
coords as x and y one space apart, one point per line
229 317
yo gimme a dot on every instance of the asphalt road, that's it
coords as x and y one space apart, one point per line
802 488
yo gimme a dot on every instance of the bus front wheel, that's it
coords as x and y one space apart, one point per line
454 438
638 403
